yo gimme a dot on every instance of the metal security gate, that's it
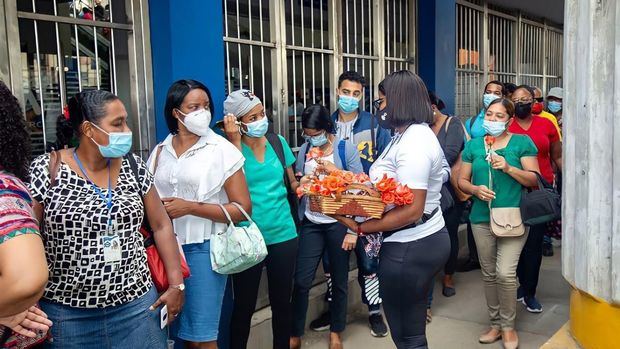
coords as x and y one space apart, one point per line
291 52
496 45
57 48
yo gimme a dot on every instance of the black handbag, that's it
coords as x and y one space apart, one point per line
540 205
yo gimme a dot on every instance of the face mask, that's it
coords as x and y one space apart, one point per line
197 122
119 144
488 98
523 110
537 108
383 120
348 104
494 128
554 106
319 140
257 128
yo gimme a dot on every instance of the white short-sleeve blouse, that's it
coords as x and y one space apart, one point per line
414 158
198 175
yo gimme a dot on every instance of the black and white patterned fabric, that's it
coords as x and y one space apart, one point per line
75 219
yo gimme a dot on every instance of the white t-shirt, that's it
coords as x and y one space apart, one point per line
198 175
315 217
414 158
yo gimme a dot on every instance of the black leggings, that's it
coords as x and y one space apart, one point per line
280 264
406 271
453 220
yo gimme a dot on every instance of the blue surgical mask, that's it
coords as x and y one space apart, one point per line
348 104
318 140
488 98
118 146
257 128
554 106
494 128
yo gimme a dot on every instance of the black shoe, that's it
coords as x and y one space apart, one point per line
547 250
469 266
448 291
377 325
321 324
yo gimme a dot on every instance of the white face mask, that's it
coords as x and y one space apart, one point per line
197 122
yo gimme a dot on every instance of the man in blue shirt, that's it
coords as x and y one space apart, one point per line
362 129
492 91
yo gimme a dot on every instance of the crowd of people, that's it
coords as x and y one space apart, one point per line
73 255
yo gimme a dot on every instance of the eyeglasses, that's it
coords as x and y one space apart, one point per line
377 103
522 100
307 137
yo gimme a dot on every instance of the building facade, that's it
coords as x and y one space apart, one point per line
289 52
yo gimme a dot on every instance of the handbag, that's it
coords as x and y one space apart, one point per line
153 259
505 222
541 205
236 249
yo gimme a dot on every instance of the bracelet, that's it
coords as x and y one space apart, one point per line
359 230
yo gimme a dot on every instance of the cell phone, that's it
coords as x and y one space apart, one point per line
163 316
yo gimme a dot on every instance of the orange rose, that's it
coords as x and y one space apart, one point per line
333 183
489 140
314 153
325 192
402 190
348 177
300 191
362 178
315 188
388 197
386 184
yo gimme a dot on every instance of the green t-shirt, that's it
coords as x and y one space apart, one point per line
507 189
270 208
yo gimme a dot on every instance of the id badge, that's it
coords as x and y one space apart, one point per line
111 248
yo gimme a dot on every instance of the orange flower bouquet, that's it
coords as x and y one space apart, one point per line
346 193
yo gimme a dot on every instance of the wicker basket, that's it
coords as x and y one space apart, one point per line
369 205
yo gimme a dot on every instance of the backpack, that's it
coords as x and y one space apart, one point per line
291 196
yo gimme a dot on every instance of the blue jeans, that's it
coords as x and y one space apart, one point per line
131 325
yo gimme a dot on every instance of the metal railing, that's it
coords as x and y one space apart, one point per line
291 52
497 45
55 50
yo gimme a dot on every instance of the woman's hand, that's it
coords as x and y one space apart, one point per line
499 163
306 179
174 299
346 221
232 129
27 322
483 193
349 242
176 207
325 167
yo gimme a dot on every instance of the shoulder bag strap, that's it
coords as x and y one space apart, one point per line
226 214
342 154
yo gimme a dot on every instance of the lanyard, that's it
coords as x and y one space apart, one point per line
108 197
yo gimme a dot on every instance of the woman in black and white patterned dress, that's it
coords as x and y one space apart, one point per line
100 293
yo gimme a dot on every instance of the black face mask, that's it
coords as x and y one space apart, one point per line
383 119
523 110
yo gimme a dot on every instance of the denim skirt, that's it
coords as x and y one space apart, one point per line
204 295
131 325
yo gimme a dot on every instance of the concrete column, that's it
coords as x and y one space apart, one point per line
186 43
591 207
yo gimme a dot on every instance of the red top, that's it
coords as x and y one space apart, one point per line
543 134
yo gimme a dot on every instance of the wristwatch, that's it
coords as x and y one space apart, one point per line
180 287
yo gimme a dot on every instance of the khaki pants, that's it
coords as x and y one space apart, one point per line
498 260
